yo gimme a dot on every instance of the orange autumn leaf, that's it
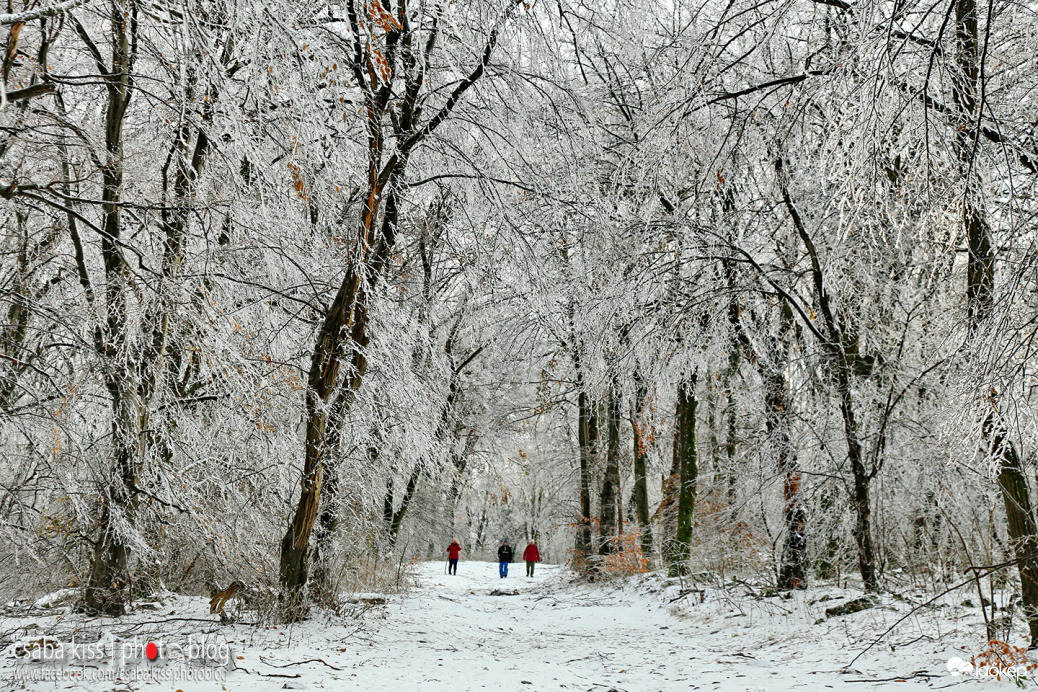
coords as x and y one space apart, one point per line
383 19
299 183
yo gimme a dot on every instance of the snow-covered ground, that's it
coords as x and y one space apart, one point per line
451 633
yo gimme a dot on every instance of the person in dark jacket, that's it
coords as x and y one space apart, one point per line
532 557
453 551
504 556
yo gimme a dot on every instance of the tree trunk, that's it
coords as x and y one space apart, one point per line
610 517
327 525
641 453
1023 531
792 562
583 537
405 504
841 360
109 576
792 570
324 370
862 504
686 458
732 419
12 335
594 461
980 296
347 315
388 506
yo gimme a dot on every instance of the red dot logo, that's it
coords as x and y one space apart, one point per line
151 651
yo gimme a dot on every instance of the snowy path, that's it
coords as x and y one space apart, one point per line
450 633
455 635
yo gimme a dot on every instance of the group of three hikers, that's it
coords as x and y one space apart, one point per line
504 556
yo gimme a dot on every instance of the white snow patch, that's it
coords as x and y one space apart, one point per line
60 596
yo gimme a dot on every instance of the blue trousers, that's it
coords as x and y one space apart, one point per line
504 569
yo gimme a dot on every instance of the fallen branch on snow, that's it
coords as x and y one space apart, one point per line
299 663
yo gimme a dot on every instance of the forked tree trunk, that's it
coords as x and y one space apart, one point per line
133 389
793 559
840 360
391 115
346 312
109 576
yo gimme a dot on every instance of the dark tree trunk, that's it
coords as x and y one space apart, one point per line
349 306
792 565
731 418
12 335
980 295
827 565
388 505
327 525
862 504
405 504
841 361
686 458
583 537
1023 531
610 498
594 461
641 453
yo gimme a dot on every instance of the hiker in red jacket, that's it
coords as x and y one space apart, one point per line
532 557
453 551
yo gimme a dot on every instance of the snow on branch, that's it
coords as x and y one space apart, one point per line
29 15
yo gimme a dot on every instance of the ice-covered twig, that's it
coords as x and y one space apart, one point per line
39 12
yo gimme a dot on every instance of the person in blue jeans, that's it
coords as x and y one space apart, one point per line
504 556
